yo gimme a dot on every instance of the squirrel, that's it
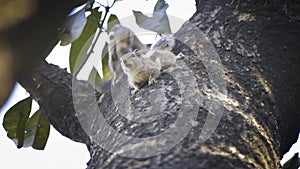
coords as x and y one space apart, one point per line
144 66
166 42
128 55
140 69
121 41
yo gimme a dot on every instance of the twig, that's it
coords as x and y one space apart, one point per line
107 8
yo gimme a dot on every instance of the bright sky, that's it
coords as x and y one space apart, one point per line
61 152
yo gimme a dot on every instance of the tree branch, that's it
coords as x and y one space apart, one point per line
255 41
51 87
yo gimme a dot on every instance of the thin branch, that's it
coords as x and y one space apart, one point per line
107 8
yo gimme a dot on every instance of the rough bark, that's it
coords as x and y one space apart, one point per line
257 44
51 87
261 37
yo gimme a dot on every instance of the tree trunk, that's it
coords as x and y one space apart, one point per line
250 95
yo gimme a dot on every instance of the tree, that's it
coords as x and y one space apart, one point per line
256 44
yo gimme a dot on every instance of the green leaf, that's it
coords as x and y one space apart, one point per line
101 84
107 74
36 131
72 28
161 6
112 21
159 22
94 78
15 119
89 5
80 47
